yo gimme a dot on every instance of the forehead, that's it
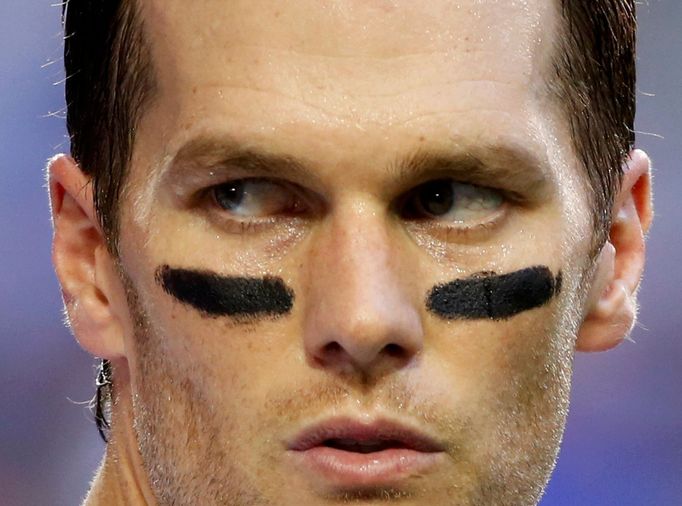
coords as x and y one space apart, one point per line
376 29
334 55
345 78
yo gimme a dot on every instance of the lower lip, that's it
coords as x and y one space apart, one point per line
344 469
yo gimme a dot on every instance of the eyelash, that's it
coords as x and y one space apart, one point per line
206 203
474 232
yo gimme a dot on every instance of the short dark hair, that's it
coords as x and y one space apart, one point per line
110 80
596 85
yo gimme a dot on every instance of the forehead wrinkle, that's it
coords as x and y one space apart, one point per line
266 45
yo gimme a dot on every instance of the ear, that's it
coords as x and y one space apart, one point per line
612 301
92 291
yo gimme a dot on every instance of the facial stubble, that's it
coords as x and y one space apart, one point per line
178 430
172 420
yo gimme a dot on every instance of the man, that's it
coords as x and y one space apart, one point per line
345 251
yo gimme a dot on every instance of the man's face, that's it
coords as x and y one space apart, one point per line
369 162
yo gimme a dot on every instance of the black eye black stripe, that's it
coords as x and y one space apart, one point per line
494 297
216 295
482 296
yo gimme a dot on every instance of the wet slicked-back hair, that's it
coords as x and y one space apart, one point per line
595 81
110 80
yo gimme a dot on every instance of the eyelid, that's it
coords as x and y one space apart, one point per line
203 201
204 188
402 199
473 233
188 176
461 230
255 198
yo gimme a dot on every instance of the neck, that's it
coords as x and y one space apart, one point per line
121 479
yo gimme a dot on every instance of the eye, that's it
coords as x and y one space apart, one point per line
256 198
451 201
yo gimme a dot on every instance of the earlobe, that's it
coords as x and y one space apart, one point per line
82 262
611 309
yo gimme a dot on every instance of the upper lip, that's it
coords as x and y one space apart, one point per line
375 431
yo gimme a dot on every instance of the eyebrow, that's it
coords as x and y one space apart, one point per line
511 166
207 152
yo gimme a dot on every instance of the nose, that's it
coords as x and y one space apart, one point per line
360 316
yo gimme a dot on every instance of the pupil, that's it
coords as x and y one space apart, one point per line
437 197
229 195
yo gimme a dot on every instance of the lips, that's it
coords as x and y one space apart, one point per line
347 453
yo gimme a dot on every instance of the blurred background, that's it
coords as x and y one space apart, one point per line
623 442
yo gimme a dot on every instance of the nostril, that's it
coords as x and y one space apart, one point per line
332 348
394 350
335 353
330 353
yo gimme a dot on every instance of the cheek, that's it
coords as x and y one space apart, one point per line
228 362
206 369
499 367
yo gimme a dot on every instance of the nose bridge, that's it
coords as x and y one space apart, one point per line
359 247
356 262
359 312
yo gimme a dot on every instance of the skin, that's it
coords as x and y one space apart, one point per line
203 406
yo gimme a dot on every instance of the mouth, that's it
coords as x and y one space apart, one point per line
350 454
